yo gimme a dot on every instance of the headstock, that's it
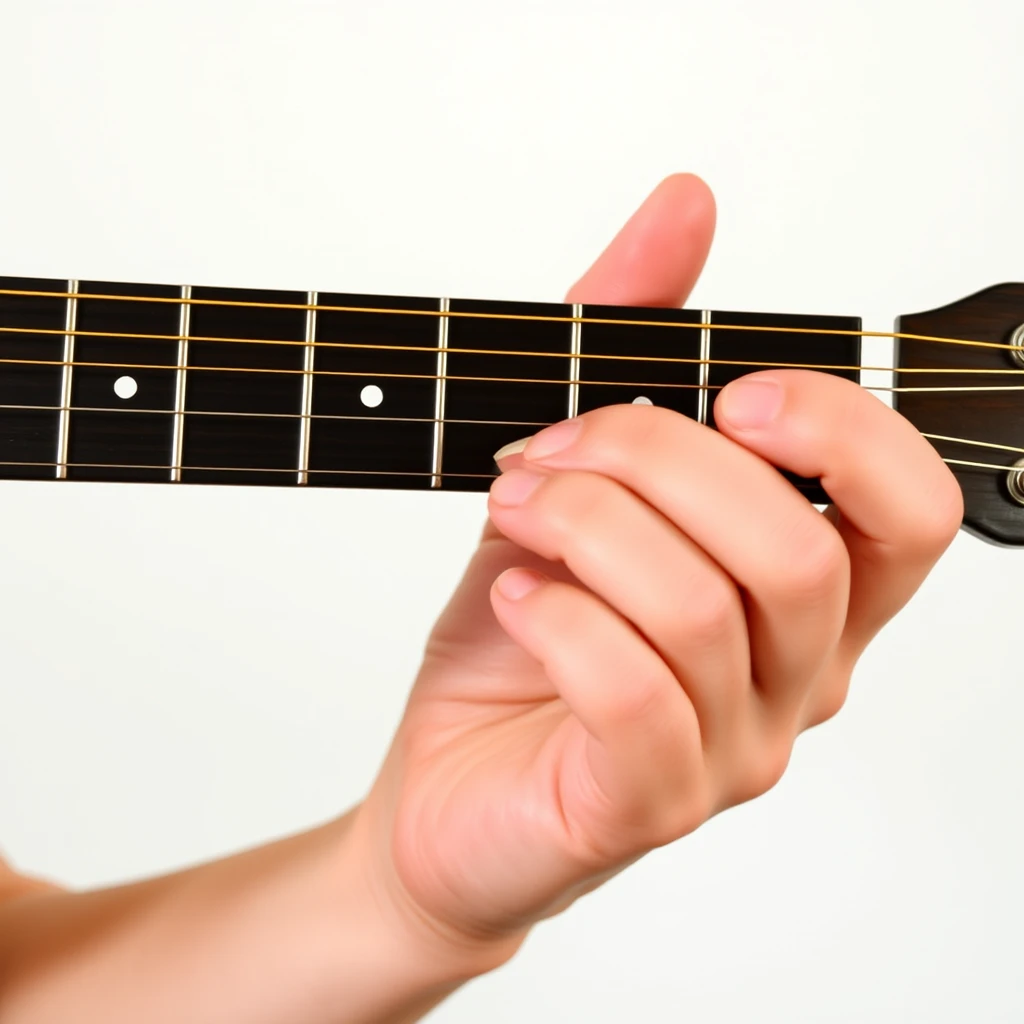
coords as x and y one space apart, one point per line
993 500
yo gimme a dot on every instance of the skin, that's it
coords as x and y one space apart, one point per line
635 647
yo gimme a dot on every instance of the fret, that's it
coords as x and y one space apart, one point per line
838 350
180 381
508 403
309 361
29 437
236 375
389 440
575 347
70 319
439 405
609 381
779 346
118 414
705 356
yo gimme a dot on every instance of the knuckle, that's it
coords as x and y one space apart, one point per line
673 795
636 699
766 768
828 703
560 622
574 504
620 432
940 517
562 611
817 562
709 620
828 699
683 816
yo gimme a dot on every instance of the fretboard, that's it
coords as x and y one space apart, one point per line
157 383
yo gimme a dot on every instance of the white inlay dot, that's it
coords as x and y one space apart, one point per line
371 396
642 400
125 387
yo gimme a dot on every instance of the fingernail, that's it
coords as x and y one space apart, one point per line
749 403
554 439
516 583
512 448
514 487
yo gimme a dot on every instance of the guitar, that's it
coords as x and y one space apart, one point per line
156 383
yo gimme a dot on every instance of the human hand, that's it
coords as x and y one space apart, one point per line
653 615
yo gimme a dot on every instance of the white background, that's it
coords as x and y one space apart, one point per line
188 671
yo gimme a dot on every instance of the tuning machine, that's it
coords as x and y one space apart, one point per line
1017 346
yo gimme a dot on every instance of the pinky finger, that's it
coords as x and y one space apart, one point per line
644 756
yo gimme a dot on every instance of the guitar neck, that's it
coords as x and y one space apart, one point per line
158 383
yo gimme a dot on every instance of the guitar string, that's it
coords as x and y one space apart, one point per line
479 315
286 471
290 471
365 374
177 300
979 465
279 415
455 350
418 419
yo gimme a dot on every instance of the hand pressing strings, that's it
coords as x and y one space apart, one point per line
638 640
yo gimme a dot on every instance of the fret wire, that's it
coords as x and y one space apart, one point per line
184 321
523 316
439 393
576 346
704 370
307 389
533 380
64 423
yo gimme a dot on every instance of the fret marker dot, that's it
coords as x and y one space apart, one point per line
125 387
371 396
642 400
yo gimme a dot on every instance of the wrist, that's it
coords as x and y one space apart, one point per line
435 953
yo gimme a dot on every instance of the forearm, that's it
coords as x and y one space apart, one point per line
288 932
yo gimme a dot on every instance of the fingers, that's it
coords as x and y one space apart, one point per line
658 255
789 561
640 564
899 506
643 748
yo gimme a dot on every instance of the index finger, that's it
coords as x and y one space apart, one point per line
656 257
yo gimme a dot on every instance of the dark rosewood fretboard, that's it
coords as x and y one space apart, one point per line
213 385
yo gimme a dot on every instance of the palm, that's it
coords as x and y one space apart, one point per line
498 804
